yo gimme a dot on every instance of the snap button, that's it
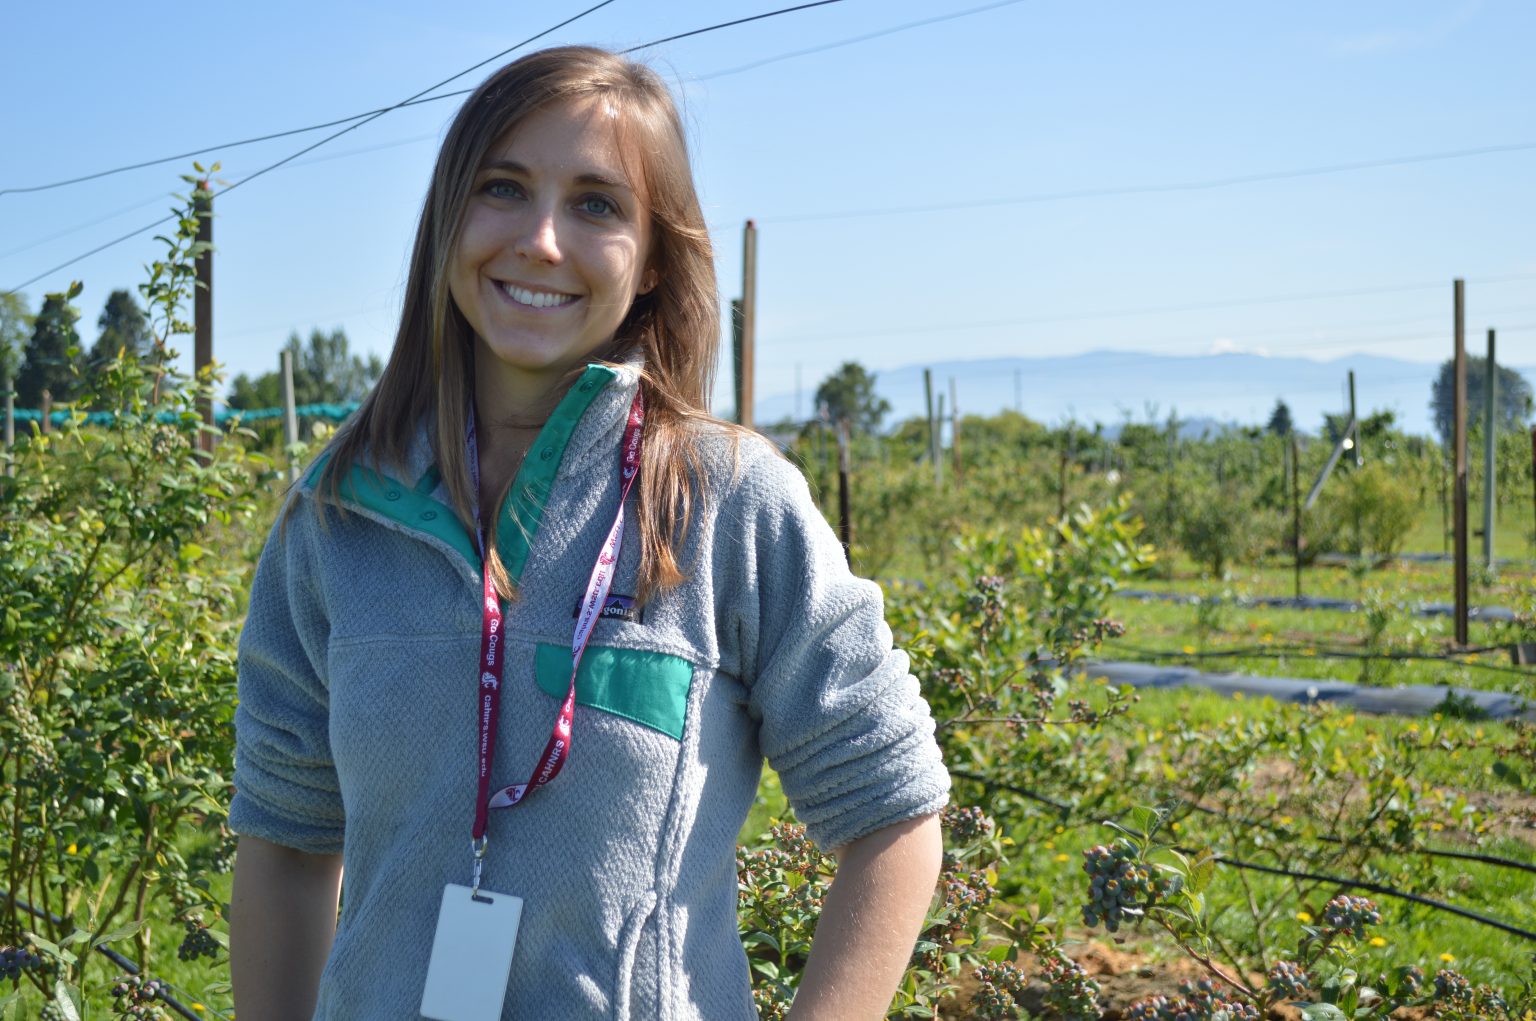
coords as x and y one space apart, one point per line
393 494
428 515
546 453
587 386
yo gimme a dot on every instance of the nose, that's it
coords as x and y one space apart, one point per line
537 237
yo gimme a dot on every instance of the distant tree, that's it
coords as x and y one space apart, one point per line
46 364
1369 431
123 328
324 372
850 393
1514 397
1280 419
15 328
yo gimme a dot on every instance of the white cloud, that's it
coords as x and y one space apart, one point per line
1226 346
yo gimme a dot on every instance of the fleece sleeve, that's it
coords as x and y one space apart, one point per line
286 789
840 715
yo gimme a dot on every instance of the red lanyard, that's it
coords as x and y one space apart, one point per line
558 748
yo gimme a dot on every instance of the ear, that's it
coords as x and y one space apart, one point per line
648 281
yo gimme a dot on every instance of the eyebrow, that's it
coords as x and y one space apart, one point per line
590 177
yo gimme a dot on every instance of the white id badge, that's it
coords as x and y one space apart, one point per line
471 955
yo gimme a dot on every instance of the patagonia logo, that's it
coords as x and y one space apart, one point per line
618 608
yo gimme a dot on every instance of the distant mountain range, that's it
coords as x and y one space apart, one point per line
1113 387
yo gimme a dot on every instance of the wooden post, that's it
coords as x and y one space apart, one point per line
1490 471
938 445
202 309
744 385
736 360
290 415
1354 418
1295 449
954 427
10 423
1459 461
1533 486
844 514
47 409
1061 476
933 435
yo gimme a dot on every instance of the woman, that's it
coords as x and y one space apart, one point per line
556 343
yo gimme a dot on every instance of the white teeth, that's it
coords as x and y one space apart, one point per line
536 299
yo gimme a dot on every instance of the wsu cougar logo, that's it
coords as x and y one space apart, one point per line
488 680
491 605
562 726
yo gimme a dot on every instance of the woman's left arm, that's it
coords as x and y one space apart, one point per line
870 922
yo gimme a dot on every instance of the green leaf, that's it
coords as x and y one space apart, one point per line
1000 953
9 1007
121 932
51 948
1204 870
1321 1012
64 997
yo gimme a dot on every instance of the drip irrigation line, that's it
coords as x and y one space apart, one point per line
1318 652
1380 888
1362 884
117 959
1325 838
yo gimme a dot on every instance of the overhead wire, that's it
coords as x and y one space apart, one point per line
852 40
1273 299
362 119
1152 189
421 98
331 137
398 143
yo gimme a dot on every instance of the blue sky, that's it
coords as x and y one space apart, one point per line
1026 99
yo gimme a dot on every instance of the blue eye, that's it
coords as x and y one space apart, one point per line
502 189
598 205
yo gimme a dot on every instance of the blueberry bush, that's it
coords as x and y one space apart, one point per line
117 647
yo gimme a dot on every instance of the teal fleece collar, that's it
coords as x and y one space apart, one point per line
423 507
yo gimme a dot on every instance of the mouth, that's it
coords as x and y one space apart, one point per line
529 298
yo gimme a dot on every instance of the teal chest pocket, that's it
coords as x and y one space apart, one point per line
650 688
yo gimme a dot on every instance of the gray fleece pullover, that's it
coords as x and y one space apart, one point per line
356 723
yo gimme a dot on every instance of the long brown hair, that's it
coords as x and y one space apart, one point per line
675 325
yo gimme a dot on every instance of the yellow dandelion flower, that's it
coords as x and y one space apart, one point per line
1189 650
1303 918
72 849
1447 957
1377 941
1237 696
1286 820
1063 857
1050 845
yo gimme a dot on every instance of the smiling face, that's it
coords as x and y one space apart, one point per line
551 255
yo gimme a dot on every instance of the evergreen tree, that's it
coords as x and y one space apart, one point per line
850 393
123 328
324 372
1280 419
1514 397
47 363
15 328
